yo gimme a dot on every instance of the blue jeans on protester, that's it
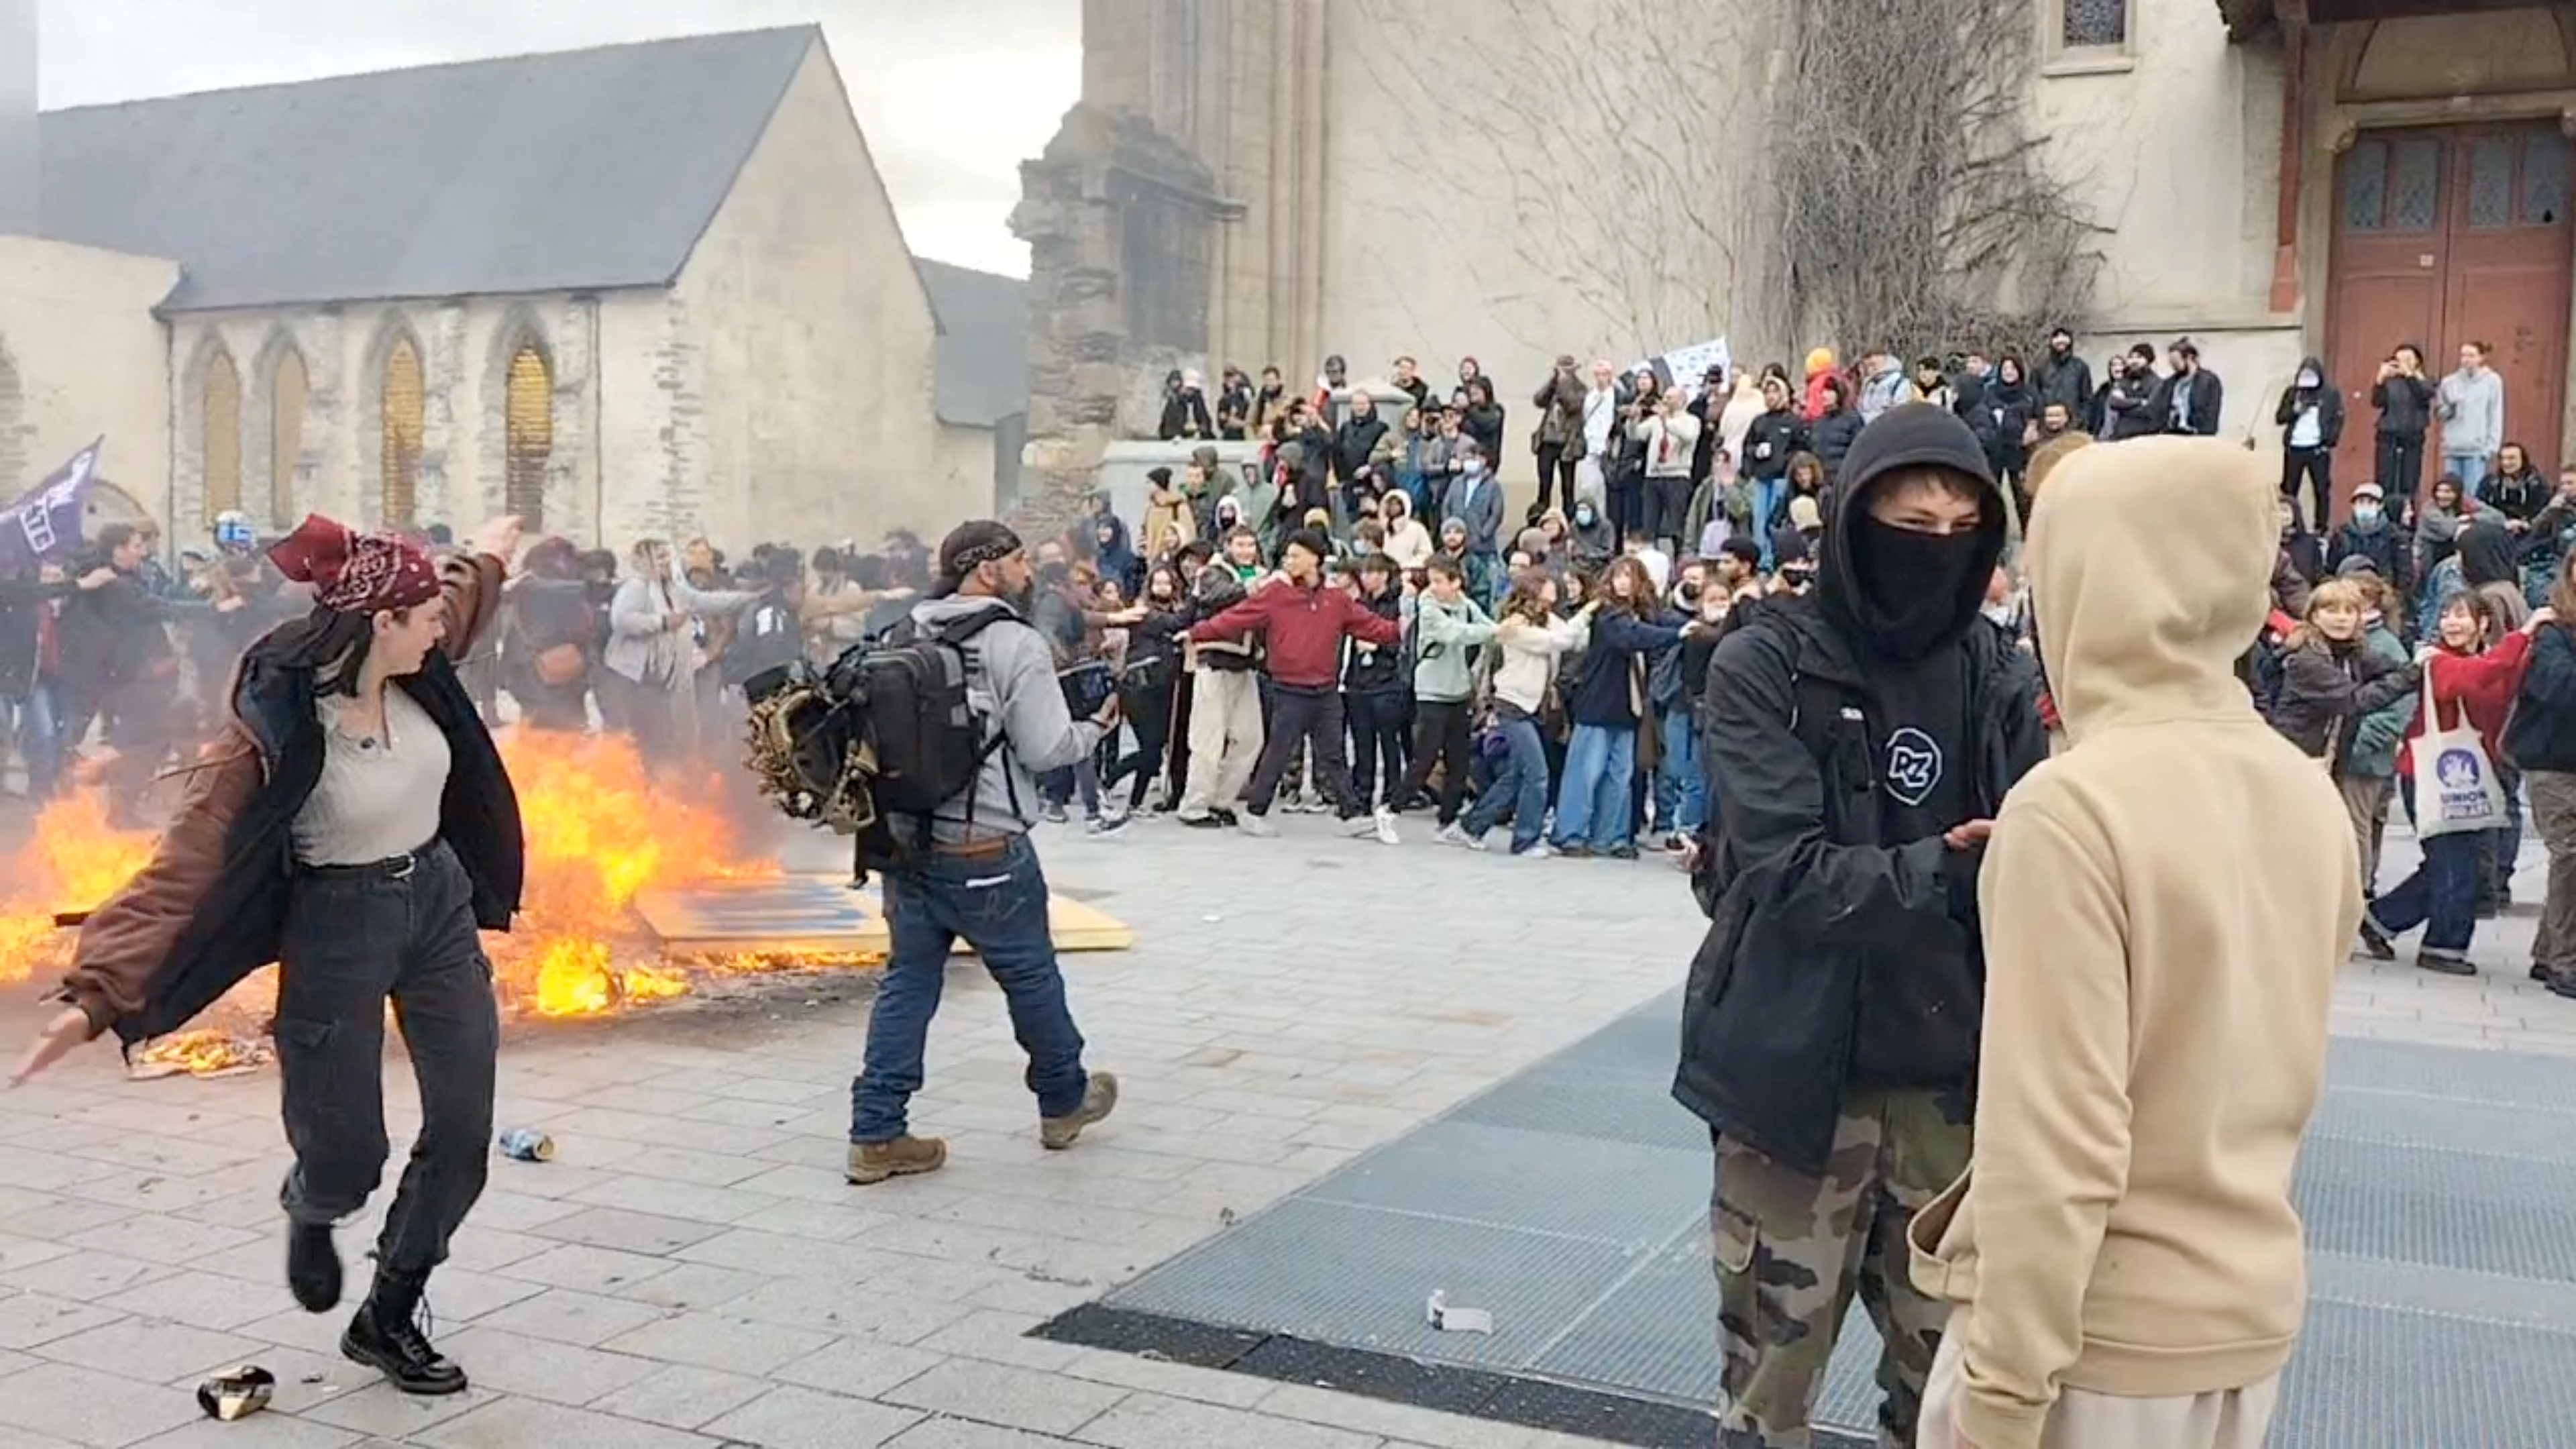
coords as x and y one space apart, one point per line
2470 469
1681 794
1767 493
1600 780
2442 893
996 903
1519 786
30 721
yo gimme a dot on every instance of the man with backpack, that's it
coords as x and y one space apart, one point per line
963 713
1864 735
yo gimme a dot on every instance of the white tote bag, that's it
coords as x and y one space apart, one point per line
2455 783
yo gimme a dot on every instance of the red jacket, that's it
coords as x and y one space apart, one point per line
2483 685
1303 627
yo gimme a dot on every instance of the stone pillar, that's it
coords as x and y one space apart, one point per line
1121 224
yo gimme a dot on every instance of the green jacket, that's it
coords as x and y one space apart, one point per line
2375 742
1442 635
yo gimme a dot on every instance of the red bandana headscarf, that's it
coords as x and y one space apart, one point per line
353 572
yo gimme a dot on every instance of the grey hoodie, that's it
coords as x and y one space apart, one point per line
2472 413
1011 683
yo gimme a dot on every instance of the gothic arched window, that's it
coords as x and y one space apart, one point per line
529 426
405 422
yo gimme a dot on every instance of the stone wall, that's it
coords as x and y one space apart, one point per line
82 355
802 358
465 347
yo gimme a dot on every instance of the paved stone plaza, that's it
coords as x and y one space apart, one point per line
691 1270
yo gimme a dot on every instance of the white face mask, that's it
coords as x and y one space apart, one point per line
2307 379
2365 513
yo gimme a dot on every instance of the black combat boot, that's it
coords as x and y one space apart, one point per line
384 1337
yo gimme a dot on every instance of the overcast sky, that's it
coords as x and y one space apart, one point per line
953 94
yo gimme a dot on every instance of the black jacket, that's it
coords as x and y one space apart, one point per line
1816 919
2390 551
1833 435
2128 406
2405 406
1802 892
2541 732
1368 670
2207 394
2329 404
1353 441
1185 415
1768 442
2067 380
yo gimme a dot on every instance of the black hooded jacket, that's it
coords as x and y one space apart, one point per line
1842 953
2325 397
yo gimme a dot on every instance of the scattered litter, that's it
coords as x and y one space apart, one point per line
527 1144
1225 1217
310 1379
1456 1320
236 1393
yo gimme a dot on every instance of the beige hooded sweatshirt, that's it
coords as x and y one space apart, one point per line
2165 905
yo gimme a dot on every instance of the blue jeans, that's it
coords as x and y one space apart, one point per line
1519 786
998 905
1600 779
30 721
2442 893
1681 792
2469 468
1767 493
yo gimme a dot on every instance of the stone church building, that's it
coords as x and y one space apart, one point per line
644 290
1255 183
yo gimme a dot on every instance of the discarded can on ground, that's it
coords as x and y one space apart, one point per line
236 1393
527 1144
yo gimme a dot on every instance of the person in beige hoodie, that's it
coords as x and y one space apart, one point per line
2165 905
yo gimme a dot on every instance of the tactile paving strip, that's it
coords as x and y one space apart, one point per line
2439 1187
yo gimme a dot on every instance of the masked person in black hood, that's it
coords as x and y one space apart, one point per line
1864 735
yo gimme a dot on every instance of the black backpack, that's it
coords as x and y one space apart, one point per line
885 737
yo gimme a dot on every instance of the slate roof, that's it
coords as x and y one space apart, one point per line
983 343
581 170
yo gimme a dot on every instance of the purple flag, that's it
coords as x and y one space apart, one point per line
45 525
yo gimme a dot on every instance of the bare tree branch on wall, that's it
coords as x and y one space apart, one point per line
1917 205
1616 129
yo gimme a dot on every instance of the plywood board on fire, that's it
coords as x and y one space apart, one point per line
821 915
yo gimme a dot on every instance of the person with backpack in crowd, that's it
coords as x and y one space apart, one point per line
1861 737
964 868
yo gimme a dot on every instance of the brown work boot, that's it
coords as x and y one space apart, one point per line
874 1162
1098 1100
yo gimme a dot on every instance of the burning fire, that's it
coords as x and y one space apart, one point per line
600 830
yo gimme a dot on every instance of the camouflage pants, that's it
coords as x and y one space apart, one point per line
1792 1250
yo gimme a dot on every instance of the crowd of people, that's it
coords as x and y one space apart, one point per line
1811 637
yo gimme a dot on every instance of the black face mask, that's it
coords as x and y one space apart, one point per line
1914 584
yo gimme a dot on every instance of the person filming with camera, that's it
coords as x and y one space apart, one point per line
976 876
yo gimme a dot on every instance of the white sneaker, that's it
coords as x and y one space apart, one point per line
1385 821
1455 834
1359 827
1474 842
1539 850
1257 826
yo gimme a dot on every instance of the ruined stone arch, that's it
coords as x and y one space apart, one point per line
519 413
282 390
395 420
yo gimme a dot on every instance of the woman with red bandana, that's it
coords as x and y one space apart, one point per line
353 824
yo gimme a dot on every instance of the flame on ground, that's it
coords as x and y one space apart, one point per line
600 830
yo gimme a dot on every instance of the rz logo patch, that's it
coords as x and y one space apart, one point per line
1913 766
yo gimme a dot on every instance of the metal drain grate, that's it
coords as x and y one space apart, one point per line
1570 1200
